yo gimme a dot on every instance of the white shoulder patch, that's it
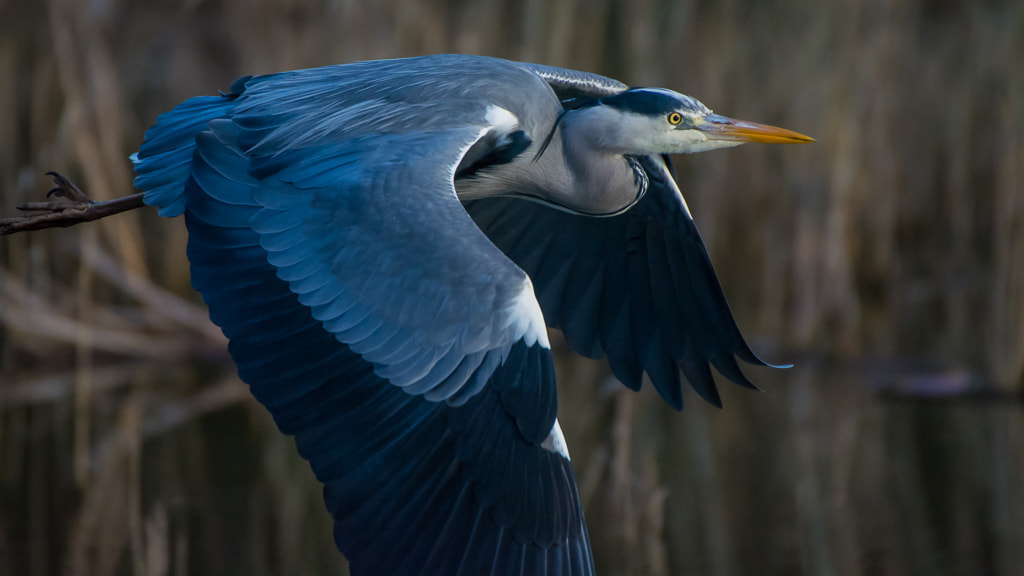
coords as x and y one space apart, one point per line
527 319
555 442
500 118
667 175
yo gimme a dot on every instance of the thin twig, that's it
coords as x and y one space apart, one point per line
80 208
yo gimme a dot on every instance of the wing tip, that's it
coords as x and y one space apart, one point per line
748 356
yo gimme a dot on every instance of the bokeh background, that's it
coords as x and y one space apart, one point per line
886 261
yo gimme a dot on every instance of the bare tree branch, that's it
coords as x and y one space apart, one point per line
75 209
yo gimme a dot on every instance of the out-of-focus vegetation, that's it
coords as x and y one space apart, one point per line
887 257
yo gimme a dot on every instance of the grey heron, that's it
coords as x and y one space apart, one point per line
384 244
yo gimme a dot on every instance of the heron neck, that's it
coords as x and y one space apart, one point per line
573 173
603 181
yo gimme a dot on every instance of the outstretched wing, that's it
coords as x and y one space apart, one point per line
375 321
638 287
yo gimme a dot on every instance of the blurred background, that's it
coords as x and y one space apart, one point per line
886 261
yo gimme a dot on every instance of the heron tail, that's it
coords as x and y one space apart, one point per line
164 161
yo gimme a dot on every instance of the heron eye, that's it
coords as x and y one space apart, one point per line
675 118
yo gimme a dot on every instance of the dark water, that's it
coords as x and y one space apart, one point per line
154 474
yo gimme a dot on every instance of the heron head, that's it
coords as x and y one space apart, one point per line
660 121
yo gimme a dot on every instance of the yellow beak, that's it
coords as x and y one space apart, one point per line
717 127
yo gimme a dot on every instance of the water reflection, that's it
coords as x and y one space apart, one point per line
816 475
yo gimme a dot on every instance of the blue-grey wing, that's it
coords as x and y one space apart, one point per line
638 287
379 326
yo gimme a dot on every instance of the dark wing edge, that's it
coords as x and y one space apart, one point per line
460 485
638 288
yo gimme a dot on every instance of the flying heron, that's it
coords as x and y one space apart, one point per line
384 244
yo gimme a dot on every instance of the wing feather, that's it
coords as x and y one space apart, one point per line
569 84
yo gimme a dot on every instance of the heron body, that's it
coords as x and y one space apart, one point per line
384 244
